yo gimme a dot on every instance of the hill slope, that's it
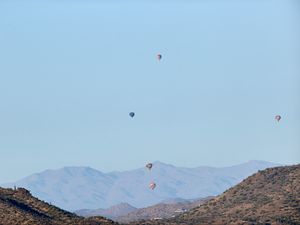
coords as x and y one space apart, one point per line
112 212
271 196
74 188
166 209
20 207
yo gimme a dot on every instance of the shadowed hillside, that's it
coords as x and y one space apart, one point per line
271 196
20 207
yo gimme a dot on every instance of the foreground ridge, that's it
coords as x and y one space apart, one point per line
18 206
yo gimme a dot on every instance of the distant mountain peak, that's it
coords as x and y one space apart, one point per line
122 204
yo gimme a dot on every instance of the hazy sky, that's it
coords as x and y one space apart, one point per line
71 71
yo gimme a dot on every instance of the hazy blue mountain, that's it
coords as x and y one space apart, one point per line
75 188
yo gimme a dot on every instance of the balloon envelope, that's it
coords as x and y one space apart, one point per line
152 185
149 166
278 117
131 114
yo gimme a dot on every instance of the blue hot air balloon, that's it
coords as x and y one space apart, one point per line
131 114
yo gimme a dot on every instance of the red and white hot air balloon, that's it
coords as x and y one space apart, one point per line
152 185
278 118
159 56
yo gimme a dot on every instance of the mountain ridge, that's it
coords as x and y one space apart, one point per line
67 186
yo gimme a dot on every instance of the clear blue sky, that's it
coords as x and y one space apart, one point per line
71 71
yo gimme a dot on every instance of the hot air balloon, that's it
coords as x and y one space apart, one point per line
152 185
149 166
159 56
131 114
278 118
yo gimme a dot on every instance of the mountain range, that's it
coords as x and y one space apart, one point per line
271 196
74 188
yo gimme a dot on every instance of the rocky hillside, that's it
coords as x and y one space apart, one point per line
271 196
20 207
